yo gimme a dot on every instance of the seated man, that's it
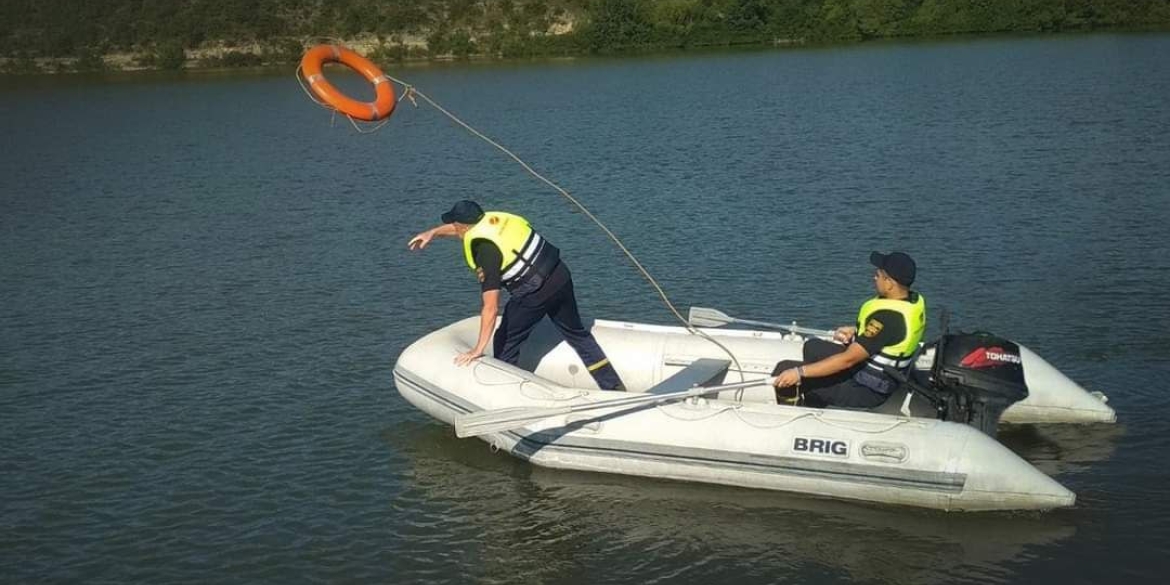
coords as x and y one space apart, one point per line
888 330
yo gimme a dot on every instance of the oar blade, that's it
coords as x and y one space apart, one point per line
493 421
705 317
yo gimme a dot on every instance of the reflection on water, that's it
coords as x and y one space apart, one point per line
543 524
1062 449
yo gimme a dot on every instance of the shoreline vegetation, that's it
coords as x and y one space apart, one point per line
66 36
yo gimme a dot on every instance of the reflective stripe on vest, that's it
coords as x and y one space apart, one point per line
519 244
899 355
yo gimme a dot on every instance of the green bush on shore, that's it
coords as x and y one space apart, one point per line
159 31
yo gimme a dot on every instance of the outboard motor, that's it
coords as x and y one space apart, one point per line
975 377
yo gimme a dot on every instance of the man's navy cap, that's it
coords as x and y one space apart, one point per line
899 266
465 211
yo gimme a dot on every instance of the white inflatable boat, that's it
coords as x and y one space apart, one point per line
738 437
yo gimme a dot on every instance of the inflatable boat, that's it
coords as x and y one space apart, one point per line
700 411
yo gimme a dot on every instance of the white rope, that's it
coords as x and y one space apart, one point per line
663 410
817 414
409 91
412 91
775 426
549 394
301 81
736 409
369 130
820 416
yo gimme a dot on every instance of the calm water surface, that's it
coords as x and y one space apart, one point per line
204 287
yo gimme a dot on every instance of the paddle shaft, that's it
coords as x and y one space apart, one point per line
792 328
705 317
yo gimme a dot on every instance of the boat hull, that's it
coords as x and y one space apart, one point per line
732 438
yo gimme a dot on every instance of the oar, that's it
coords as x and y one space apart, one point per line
704 317
494 421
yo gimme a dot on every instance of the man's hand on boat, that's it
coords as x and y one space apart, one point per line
467 357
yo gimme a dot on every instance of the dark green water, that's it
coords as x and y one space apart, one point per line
204 287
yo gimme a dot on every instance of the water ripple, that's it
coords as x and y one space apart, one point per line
200 318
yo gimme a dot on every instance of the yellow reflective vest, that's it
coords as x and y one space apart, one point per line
521 248
900 354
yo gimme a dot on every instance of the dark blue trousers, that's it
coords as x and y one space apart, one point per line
523 313
840 389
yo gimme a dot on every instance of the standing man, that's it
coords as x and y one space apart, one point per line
888 330
504 250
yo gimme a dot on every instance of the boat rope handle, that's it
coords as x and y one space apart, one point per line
893 425
550 395
749 423
722 409
735 409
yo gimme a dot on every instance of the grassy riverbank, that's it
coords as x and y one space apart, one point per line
59 36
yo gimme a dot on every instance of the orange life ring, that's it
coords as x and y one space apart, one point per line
312 64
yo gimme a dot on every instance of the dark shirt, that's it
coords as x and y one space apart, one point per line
488 258
882 328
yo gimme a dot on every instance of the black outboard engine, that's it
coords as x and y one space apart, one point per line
975 377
